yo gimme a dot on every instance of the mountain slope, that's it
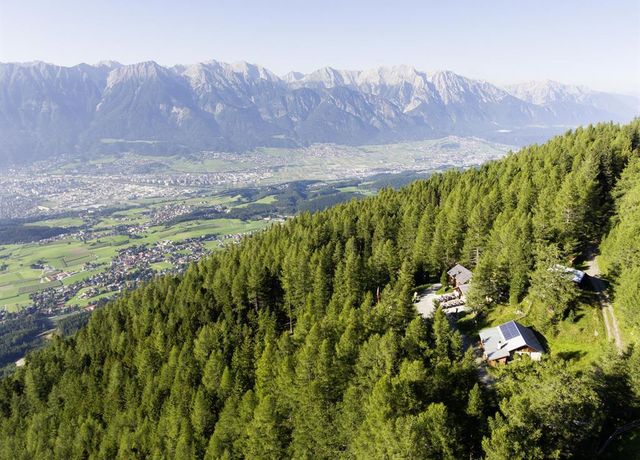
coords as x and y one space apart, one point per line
303 341
44 108
576 104
150 103
50 110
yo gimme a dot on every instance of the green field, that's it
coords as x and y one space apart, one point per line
269 199
356 189
38 287
580 340
87 300
19 280
70 255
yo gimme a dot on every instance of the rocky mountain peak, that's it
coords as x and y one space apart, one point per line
47 109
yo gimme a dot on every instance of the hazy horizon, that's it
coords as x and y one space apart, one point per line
584 43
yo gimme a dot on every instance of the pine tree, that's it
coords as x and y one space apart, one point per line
266 439
551 286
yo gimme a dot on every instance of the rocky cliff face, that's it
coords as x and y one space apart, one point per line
49 110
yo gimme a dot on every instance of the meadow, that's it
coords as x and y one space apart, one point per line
23 265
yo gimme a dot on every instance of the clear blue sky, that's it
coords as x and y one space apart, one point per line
596 43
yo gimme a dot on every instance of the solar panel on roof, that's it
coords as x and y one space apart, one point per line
509 330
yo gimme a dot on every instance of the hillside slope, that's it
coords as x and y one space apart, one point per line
302 341
620 251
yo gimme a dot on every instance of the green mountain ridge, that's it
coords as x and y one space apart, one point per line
303 342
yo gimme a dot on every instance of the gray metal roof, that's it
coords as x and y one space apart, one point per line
460 273
498 342
574 274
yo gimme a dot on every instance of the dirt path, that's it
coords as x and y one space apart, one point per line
608 309
607 325
600 286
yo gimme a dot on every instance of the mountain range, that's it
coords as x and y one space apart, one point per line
48 110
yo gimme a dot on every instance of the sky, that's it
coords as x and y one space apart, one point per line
592 43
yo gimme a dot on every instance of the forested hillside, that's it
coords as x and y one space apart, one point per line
621 250
303 342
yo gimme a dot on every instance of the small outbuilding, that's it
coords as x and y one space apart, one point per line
500 343
577 276
462 291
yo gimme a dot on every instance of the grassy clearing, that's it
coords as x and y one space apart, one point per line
628 334
164 265
265 200
109 241
357 189
580 339
80 276
88 300
16 302
77 260
130 213
213 245
73 257
10 279
197 228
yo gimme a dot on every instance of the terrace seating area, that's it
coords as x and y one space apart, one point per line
447 297
452 303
